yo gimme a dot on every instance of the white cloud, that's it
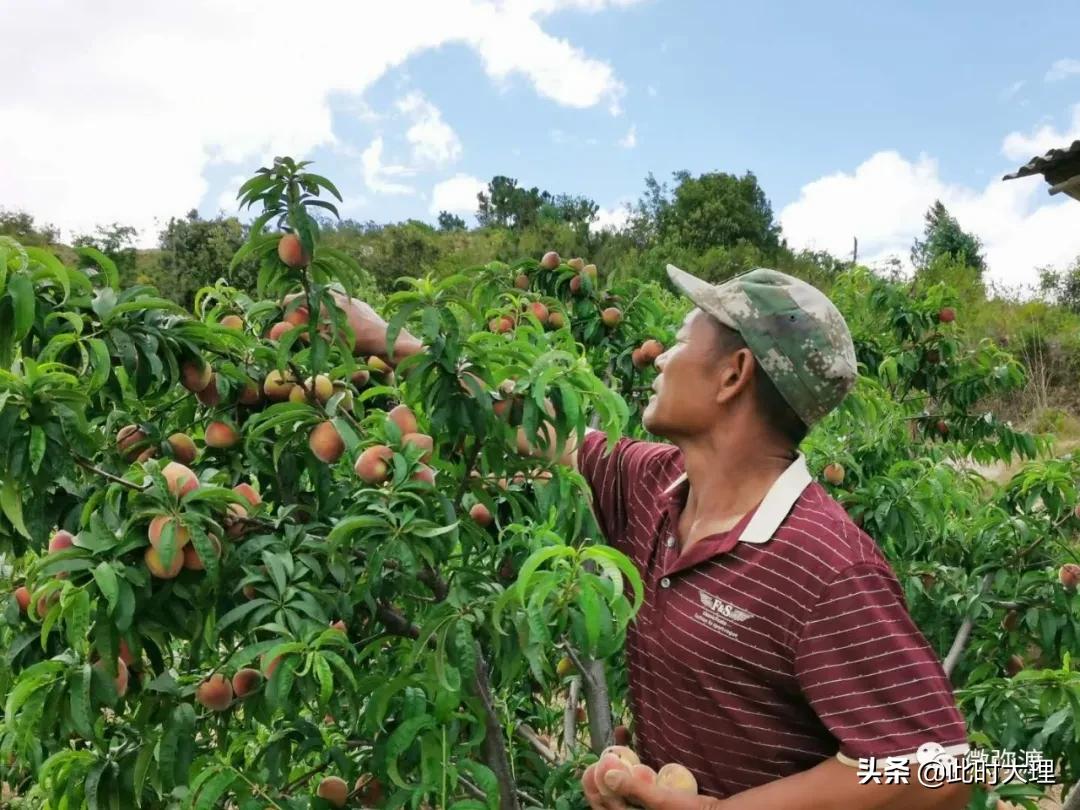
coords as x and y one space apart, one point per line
378 176
1010 92
611 219
651 90
1018 146
1063 69
884 200
629 140
433 141
227 201
121 126
456 195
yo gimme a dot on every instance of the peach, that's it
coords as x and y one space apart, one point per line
129 441
210 396
360 377
334 790
326 443
424 474
321 387
622 735
565 667
575 285
421 440
551 260
157 529
232 322
369 791
22 596
540 311
624 753
195 375
298 395
834 474
338 625
611 316
157 566
249 592
1014 665
297 317
250 394
577 263
589 270
373 465
192 560
556 320
121 679
61 540
248 492
278 385
246 681
215 693
501 324
1069 576
182 447
652 349
403 417
125 653
269 668
278 330
674 776
946 315
379 366
481 514
291 251
637 357
346 401
221 435
522 282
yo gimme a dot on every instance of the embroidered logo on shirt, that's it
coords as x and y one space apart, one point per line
719 615
711 603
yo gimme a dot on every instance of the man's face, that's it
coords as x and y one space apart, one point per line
688 385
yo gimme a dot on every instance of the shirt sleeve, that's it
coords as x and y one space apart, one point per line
869 673
622 481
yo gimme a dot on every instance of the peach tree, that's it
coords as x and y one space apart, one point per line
257 560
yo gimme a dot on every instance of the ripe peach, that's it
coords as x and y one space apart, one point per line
379 366
298 395
638 358
403 417
129 441
1069 576
946 315
551 260
522 282
611 316
22 596
942 427
249 592
321 386
232 322
651 349
121 679
360 377
369 791
326 443
575 285
157 566
291 251
589 270
834 474
556 320
148 453
346 401
424 474
278 330
183 448
373 465
421 440
269 668
580 715
540 311
192 560
215 693
195 375
334 790
277 385
1010 621
61 540
250 394
248 492
297 317
481 514
246 681
157 529
339 625
622 735
501 324
577 263
210 396
610 763
624 753
221 435
674 776
1014 665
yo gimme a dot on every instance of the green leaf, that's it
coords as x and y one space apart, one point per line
589 603
37 447
23 303
105 576
214 788
535 560
79 700
399 742
11 504
107 265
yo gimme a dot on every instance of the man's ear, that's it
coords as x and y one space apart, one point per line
735 374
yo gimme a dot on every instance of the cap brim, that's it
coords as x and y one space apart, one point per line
701 293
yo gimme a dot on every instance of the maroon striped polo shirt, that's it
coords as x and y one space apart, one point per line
765 650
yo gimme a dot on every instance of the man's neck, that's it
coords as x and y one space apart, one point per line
727 479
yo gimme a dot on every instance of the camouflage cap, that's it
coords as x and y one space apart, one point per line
794 331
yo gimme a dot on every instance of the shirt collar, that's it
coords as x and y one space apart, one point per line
774 507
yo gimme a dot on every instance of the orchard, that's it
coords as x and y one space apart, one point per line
254 558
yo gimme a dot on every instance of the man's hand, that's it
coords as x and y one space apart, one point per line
630 793
369 328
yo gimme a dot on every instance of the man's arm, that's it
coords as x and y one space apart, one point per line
827 786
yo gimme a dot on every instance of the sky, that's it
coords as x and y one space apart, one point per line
854 116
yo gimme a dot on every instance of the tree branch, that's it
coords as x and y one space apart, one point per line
541 748
85 463
495 754
570 717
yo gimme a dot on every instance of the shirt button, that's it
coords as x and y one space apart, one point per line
670 542
665 583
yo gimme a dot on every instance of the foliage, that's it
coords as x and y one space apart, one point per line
943 237
446 666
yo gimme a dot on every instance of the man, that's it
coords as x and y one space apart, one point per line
773 650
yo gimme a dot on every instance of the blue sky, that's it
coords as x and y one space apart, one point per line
854 116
